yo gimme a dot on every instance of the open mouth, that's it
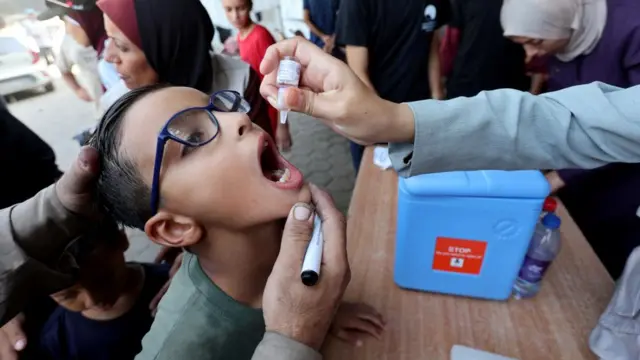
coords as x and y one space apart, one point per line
275 168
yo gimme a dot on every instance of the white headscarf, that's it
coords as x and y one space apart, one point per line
581 21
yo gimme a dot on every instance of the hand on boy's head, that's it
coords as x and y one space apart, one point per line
76 187
304 313
354 321
12 338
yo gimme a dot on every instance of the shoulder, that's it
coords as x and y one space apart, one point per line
229 73
175 310
263 33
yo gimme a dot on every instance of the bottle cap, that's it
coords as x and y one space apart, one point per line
551 221
550 205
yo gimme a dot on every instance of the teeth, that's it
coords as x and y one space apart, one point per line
266 144
285 177
282 175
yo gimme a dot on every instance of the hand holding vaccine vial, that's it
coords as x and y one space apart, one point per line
288 76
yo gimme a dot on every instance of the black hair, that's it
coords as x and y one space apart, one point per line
93 264
121 190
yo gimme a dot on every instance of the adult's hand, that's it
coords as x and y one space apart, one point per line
12 338
304 313
76 187
330 91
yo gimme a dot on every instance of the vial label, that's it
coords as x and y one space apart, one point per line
288 73
533 270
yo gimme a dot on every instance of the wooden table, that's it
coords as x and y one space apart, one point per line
555 325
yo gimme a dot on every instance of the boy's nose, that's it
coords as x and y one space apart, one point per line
242 124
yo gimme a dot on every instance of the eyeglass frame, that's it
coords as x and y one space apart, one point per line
166 135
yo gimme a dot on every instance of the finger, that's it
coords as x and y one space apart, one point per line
374 317
156 299
352 337
365 327
176 265
334 253
161 255
7 352
306 101
296 236
303 50
80 179
15 335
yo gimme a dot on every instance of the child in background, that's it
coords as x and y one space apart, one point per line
106 314
222 191
253 41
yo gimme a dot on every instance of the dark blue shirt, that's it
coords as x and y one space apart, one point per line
69 335
323 16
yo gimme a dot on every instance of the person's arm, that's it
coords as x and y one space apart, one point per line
298 317
312 27
435 78
64 65
35 234
358 60
580 127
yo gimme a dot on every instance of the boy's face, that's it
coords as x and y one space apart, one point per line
101 278
226 183
237 12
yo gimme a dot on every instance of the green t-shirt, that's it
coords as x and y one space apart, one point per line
197 320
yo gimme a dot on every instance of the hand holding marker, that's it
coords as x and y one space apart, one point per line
288 76
310 272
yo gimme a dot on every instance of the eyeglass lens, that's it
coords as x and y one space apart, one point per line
230 101
193 126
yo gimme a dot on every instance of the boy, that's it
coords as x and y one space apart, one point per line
253 41
221 191
106 314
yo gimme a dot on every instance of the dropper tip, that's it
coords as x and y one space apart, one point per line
283 116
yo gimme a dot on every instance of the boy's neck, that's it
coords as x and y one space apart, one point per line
244 32
239 263
132 286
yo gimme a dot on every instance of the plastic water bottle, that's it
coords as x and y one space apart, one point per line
544 247
550 205
288 76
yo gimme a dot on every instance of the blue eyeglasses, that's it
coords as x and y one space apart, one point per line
194 127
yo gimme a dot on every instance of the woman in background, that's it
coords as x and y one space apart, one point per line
169 41
590 40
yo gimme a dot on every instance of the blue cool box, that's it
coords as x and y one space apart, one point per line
466 233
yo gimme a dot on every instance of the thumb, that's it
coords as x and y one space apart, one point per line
308 102
77 184
296 234
13 330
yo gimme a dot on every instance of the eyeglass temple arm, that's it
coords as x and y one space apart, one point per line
155 184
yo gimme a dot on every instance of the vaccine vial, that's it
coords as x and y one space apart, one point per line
288 76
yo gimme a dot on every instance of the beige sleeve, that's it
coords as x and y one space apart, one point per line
33 237
279 347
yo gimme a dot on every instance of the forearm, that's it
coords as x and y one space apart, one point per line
508 129
71 81
275 346
33 236
313 28
435 81
537 83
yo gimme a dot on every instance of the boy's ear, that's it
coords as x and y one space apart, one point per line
172 230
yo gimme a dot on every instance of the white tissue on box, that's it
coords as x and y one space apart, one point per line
381 157
459 352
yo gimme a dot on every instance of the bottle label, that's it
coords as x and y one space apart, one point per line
533 270
288 73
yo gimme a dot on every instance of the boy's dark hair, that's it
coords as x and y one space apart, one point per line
121 191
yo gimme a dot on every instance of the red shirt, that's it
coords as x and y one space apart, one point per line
252 49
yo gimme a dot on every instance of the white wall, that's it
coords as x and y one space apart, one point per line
276 14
